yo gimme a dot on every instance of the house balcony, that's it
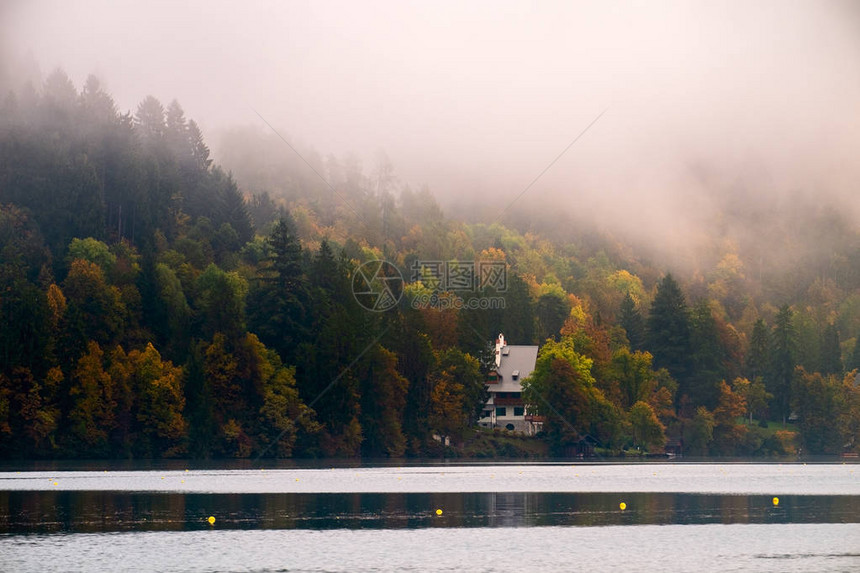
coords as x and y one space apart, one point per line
498 401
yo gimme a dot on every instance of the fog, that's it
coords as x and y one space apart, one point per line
757 103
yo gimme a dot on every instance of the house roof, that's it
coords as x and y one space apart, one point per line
520 358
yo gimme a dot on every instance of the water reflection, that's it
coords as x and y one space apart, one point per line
87 511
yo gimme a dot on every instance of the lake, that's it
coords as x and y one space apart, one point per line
491 517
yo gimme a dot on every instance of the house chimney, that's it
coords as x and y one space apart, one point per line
500 343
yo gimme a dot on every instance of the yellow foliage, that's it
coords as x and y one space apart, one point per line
493 254
788 439
730 267
625 282
56 304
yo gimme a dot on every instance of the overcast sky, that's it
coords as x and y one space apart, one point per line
478 97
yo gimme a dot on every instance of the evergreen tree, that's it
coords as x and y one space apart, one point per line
149 120
199 149
518 317
783 361
632 322
668 330
99 108
176 131
199 405
707 358
231 207
277 304
339 331
551 311
416 361
758 357
831 352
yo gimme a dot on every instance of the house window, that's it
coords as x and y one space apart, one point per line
510 427
486 413
519 411
501 411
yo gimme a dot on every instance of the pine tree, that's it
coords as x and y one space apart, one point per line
199 150
783 361
831 351
668 330
758 356
632 322
200 405
98 106
278 302
149 120
518 318
551 311
706 359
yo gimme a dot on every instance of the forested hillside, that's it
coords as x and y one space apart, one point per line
154 305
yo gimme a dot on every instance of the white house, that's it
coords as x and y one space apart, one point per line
505 407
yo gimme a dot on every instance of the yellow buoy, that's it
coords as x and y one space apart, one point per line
622 505
776 501
211 520
438 512
55 483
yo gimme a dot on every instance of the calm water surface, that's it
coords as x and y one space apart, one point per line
552 517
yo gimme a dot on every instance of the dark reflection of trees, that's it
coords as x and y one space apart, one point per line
71 511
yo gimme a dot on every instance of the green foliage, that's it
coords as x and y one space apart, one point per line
701 432
828 411
561 389
95 308
383 391
636 380
94 251
647 429
221 302
458 393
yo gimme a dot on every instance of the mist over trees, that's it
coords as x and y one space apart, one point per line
154 304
